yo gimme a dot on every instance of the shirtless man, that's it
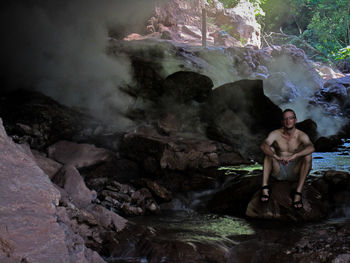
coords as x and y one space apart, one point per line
288 156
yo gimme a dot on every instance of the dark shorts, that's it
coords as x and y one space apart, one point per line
286 172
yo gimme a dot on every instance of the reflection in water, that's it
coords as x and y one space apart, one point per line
185 225
339 160
193 227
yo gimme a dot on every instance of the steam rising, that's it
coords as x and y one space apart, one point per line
326 125
59 48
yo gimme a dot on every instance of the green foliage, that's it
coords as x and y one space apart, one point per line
324 24
226 28
343 53
229 3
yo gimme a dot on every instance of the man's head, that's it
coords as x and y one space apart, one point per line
289 119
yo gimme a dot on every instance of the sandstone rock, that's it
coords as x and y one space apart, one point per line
78 155
49 166
29 229
158 191
168 124
243 22
280 206
222 38
174 153
95 226
107 219
240 114
72 182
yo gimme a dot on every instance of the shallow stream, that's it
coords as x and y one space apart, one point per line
184 224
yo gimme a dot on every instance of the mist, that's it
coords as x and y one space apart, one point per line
326 124
59 49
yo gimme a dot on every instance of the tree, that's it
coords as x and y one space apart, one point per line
324 24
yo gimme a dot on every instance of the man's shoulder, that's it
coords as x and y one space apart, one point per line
301 133
276 132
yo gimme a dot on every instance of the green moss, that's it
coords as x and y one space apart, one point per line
238 169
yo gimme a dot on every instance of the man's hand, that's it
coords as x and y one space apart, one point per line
291 158
280 159
285 160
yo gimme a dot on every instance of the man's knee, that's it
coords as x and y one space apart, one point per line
307 159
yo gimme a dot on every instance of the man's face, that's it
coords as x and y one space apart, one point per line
289 120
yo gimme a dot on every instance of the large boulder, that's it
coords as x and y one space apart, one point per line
234 196
73 183
185 86
181 21
39 120
176 153
81 155
335 186
49 166
280 206
239 114
30 231
241 18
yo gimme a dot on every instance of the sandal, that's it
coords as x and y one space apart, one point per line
297 204
264 196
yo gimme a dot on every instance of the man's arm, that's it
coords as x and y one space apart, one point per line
308 147
267 144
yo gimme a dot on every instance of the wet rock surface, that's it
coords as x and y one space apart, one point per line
280 206
89 212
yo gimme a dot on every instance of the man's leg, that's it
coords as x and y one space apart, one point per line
270 165
303 170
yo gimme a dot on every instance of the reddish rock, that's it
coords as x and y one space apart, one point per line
158 191
280 206
73 183
174 153
78 155
169 124
49 166
29 229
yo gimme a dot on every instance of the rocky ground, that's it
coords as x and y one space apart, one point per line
72 181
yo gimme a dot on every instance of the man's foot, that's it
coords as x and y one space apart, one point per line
265 193
297 200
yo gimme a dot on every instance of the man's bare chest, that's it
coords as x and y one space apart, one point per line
288 144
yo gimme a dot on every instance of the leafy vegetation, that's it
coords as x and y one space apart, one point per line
323 24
